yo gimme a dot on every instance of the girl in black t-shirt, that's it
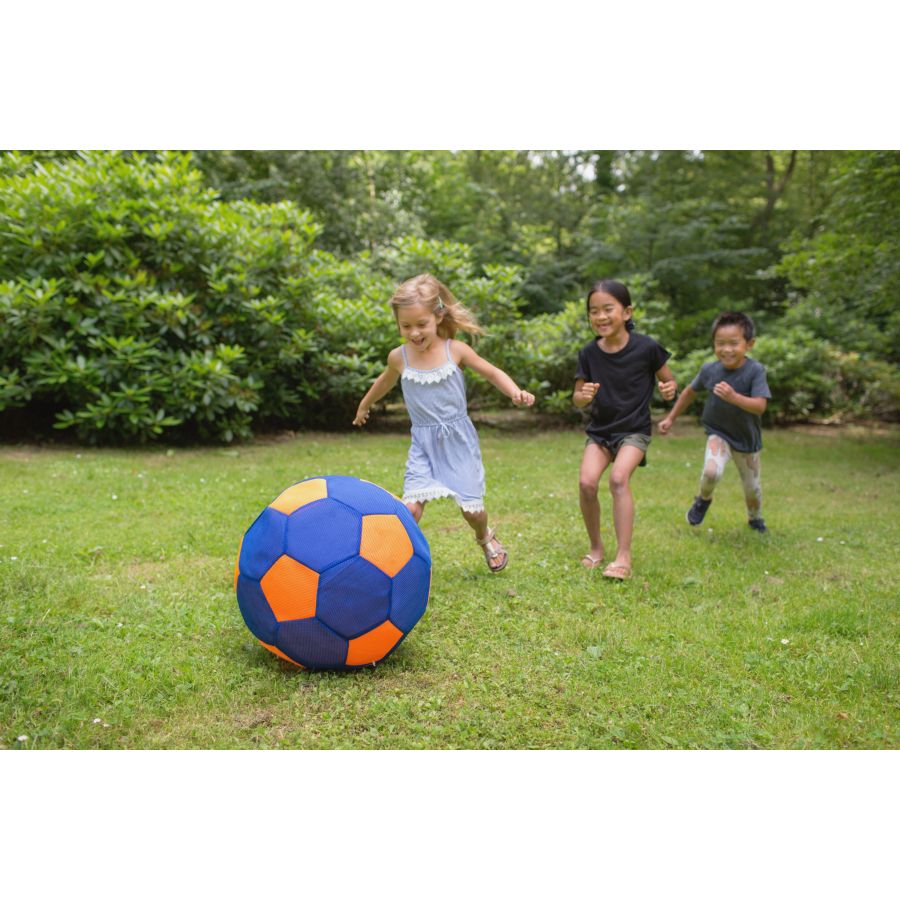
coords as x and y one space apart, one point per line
616 375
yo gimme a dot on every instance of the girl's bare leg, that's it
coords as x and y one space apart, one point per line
627 460
593 465
417 507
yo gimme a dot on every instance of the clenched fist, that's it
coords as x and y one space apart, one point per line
724 390
667 389
522 398
586 393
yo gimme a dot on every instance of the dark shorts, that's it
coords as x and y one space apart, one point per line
641 441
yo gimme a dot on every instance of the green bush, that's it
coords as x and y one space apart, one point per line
135 305
811 379
541 353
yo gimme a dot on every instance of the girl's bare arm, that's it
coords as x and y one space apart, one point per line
382 385
497 377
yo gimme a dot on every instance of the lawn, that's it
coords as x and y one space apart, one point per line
119 626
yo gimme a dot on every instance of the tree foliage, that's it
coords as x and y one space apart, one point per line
845 276
208 295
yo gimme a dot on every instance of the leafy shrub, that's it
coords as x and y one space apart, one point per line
139 305
810 378
136 306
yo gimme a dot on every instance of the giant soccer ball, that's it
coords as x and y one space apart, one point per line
333 574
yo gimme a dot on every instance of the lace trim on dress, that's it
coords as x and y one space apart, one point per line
429 376
437 493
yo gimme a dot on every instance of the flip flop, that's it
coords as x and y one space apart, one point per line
593 562
617 572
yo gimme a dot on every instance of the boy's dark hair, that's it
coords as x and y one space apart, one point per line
615 289
735 318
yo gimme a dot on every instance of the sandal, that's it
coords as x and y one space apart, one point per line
490 554
592 561
617 571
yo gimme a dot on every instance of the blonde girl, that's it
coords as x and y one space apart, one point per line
444 456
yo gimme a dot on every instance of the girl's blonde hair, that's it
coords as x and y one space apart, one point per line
425 290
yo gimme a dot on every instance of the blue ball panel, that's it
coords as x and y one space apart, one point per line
418 539
323 533
353 598
310 643
368 499
409 594
263 543
256 610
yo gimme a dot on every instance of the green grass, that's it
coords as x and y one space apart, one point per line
118 605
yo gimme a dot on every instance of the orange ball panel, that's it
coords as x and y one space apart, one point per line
373 645
298 495
284 656
237 563
290 589
385 543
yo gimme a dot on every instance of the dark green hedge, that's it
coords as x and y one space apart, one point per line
135 305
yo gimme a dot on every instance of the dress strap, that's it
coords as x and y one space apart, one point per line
403 351
449 357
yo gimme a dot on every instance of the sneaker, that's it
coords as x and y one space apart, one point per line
696 513
758 525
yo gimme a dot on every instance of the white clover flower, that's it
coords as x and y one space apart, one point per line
97 721
22 738
785 641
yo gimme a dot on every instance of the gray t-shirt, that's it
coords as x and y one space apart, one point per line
741 429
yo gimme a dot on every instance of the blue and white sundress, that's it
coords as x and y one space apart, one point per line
445 456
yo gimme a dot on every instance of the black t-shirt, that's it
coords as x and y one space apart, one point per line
741 429
622 404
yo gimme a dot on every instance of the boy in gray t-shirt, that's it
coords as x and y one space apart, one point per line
731 415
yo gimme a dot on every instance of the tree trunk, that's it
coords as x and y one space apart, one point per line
370 181
774 190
